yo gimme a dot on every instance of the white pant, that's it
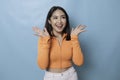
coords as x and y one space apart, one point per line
69 74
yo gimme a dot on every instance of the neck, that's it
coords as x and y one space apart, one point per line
58 35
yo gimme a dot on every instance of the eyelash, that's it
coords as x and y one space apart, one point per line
64 17
56 17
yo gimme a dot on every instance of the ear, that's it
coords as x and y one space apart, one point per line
49 21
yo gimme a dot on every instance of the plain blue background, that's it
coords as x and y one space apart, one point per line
100 43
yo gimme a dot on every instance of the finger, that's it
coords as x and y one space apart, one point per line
79 26
45 30
72 30
75 28
83 30
37 35
35 29
82 27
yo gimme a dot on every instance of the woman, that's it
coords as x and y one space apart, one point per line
58 46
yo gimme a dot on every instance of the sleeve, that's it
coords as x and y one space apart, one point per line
43 52
77 57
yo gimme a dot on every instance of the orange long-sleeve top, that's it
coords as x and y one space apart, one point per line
53 55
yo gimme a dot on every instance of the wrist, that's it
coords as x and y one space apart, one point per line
74 36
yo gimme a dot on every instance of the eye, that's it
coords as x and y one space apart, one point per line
64 17
55 17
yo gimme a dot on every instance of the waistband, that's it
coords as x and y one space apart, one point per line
67 72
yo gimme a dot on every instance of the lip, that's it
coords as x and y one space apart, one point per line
59 26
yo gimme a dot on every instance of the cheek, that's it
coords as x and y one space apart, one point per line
53 22
65 22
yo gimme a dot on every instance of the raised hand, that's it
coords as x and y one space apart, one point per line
40 33
78 30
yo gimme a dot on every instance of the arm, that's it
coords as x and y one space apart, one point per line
77 53
43 47
43 52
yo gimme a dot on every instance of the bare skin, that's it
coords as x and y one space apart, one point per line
44 33
58 22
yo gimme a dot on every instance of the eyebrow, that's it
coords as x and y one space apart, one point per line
57 16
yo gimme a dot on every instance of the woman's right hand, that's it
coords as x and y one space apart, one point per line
40 33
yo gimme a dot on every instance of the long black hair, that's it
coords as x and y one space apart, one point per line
49 27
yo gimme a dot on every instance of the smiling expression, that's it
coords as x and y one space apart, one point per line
58 21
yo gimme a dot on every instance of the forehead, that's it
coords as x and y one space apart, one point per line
58 12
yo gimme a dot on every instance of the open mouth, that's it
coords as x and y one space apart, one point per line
59 26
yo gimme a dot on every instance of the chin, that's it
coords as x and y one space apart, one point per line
59 31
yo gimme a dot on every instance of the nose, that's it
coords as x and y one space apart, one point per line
59 20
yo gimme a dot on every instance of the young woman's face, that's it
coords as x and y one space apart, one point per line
58 21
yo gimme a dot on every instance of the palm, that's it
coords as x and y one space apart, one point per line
40 33
78 30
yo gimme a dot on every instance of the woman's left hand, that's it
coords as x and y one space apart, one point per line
78 30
